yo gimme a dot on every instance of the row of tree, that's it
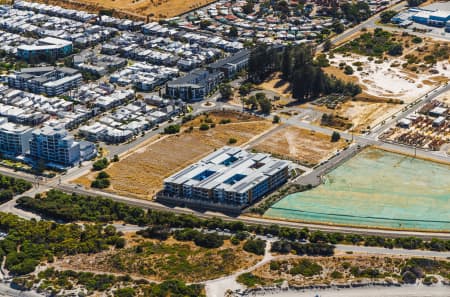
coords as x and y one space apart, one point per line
298 67
73 207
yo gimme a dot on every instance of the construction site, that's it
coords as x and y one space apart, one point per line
428 129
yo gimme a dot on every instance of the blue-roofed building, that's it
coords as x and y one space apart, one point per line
439 18
228 177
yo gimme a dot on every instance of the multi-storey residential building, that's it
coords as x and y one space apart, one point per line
230 176
195 86
53 144
52 81
46 49
231 65
14 139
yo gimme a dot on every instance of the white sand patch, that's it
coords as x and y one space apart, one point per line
382 80
219 287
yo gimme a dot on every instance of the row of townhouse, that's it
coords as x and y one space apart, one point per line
144 76
55 10
97 64
130 120
202 39
81 34
10 41
32 109
160 50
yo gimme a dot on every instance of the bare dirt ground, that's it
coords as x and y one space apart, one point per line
276 85
138 9
364 114
141 174
306 147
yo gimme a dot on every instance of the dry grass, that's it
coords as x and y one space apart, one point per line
364 114
141 173
276 85
339 74
306 147
137 9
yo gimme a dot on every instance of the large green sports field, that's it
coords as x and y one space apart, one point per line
376 189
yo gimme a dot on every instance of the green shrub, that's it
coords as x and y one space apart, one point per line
101 183
306 268
232 141
348 70
100 164
172 129
336 274
103 174
255 246
124 292
249 280
204 127
416 39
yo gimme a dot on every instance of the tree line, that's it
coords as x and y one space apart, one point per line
298 67
74 207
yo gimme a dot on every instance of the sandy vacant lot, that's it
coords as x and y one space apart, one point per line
306 147
141 173
385 81
365 114
140 9
444 98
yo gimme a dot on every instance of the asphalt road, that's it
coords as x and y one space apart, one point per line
393 252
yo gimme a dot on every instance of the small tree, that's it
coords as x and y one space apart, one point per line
100 164
335 137
348 70
245 89
327 45
387 15
265 105
233 32
103 174
276 119
225 91
115 158
396 50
